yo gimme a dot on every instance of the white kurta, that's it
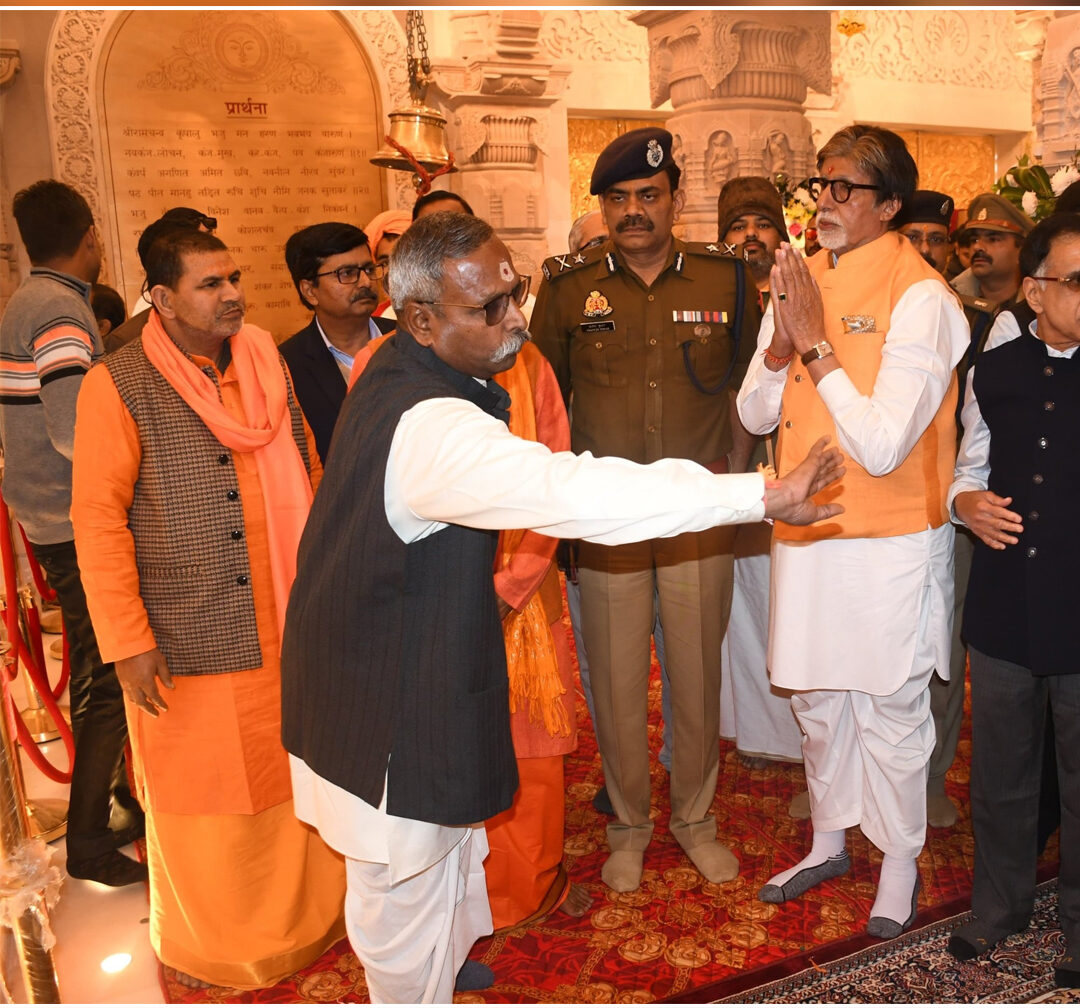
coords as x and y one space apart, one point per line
449 463
757 716
845 611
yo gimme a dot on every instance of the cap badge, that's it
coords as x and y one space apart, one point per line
654 153
982 215
946 209
596 305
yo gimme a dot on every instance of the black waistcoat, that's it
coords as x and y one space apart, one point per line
1020 606
393 653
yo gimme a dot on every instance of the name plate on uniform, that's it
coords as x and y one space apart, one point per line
595 327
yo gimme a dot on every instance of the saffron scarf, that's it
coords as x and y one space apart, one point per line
531 663
267 433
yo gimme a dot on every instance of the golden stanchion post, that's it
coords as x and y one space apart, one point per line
29 884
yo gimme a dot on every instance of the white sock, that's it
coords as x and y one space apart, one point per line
895 888
826 845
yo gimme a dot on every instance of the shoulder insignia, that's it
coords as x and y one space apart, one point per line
559 265
713 250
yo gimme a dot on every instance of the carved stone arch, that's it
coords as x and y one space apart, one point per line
74 72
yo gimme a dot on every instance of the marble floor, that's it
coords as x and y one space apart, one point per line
102 953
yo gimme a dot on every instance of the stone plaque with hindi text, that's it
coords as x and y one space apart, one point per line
263 120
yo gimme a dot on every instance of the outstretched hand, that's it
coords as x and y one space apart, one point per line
139 677
789 498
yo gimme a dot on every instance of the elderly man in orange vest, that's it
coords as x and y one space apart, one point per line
860 342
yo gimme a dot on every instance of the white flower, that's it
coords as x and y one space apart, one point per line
1063 178
1010 180
1030 202
804 197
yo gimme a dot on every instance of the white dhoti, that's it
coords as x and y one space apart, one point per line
413 936
858 629
865 758
754 713
416 897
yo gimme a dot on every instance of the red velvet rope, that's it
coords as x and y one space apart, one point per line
35 633
34 663
426 177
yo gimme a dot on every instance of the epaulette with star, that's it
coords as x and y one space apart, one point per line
559 265
714 250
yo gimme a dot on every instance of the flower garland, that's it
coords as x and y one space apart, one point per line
799 207
1030 188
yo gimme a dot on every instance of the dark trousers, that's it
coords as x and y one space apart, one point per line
97 710
1008 713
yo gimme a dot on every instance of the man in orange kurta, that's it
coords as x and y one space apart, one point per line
193 476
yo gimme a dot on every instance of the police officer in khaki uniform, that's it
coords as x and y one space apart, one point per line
650 337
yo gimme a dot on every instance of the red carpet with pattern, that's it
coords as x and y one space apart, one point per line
678 933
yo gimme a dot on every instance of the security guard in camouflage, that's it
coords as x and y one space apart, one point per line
650 338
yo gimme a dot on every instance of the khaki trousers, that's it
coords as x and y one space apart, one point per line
692 574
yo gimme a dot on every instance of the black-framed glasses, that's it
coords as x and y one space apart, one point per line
349 275
495 309
933 240
1072 283
839 188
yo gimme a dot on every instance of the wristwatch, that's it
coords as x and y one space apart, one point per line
816 352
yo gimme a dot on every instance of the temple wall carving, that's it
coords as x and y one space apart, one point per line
752 91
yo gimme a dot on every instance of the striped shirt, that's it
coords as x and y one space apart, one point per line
48 340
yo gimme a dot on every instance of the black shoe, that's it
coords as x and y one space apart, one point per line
473 976
602 803
111 869
1067 972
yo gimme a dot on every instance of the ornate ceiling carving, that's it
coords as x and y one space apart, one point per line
963 48
602 36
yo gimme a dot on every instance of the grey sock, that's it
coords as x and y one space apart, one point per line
806 879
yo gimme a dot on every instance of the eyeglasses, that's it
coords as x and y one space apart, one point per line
351 274
495 310
1072 283
933 240
839 188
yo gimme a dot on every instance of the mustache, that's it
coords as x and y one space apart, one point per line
981 257
231 308
635 221
364 292
511 345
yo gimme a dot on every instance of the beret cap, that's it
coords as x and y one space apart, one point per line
636 154
927 206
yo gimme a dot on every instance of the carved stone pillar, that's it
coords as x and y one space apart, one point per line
498 105
737 81
1058 87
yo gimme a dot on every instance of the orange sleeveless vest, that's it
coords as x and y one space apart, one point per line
867 281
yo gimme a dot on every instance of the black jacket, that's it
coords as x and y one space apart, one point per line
393 652
317 379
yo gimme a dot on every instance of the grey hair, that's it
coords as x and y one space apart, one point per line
416 264
882 155
573 240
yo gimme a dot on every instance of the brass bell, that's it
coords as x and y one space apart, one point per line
422 132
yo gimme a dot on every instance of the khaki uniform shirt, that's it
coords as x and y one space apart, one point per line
630 354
